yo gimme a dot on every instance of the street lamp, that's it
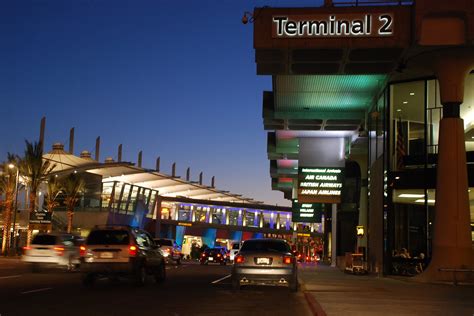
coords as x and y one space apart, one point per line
13 241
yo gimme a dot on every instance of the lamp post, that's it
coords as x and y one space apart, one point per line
15 208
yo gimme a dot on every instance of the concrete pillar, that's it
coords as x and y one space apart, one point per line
333 235
193 214
452 245
272 220
278 221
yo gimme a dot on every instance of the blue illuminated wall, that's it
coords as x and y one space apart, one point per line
180 234
209 237
237 236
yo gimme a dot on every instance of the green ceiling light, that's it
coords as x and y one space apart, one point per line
336 93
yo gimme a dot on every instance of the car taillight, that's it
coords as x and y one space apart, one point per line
239 259
203 254
59 250
26 248
132 250
218 255
287 260
168 250
82 251
307 258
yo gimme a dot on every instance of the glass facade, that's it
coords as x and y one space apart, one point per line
123 198
414 112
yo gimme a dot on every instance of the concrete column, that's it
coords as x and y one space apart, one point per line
333 235
452 245
158 216
272 220
278 221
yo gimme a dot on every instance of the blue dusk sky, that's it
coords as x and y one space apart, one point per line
176 79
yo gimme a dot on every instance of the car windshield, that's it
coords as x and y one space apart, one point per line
108 237
164 242
265 245
44 240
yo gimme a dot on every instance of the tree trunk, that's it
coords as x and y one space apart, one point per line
7 221
70 214
29 235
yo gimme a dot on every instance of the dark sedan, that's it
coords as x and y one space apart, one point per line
265 262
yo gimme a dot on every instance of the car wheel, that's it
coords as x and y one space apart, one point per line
293 285
235 284
88 279
160 275
140 275
35 267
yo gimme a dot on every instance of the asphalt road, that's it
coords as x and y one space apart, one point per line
190 289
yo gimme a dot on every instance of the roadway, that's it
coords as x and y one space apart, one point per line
190 289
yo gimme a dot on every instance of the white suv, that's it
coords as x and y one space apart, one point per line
115 251
53 249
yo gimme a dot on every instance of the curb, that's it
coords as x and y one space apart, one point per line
314 306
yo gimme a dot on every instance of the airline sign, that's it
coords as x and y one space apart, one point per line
320 184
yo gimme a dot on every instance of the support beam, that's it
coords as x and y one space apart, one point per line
119 154
71 141
97 148
42 129
140 154
157 166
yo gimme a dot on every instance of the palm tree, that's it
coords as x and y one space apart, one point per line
35 170
8 187
54 189
72 188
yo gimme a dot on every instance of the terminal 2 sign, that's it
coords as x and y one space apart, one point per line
334 25
320 185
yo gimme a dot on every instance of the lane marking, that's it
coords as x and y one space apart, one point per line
37 290
218 280
10 276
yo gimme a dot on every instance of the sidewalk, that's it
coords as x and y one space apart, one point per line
333 292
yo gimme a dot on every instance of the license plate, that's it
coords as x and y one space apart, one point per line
263 260
211 258
106 255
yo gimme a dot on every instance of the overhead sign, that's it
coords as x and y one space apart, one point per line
333 25
307 212
320 185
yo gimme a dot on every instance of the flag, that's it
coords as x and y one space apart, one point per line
401 150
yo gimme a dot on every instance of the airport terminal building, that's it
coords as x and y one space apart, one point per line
384 93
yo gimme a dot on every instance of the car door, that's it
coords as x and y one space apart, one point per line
147 246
